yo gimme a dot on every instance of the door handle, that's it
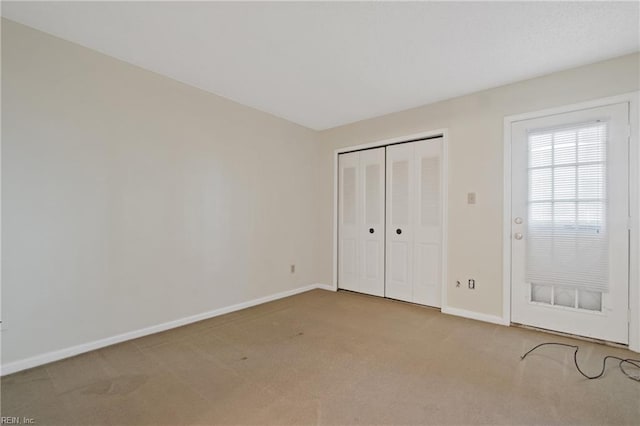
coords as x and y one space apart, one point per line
371 230
398 231
518 236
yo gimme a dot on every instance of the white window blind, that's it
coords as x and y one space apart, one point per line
567 238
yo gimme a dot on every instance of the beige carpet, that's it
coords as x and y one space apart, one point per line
328 358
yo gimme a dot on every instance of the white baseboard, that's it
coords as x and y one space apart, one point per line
475 315
23 364
325 287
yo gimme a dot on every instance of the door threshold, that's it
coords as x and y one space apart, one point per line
572 336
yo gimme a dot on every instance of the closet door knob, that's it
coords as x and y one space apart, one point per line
398 231
371 230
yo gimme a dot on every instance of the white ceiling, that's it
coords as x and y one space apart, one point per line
327 64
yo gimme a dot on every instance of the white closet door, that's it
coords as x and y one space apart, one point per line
371 226
348 214
414 222
400 208
390 244
361 222
427 284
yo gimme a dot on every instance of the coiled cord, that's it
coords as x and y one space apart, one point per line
623 361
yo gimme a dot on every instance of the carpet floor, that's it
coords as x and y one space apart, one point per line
329 358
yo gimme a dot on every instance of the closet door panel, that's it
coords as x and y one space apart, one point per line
390 221
428 224
371 229
348 221
400 206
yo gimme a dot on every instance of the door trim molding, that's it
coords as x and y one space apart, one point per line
445 186
478 316
634 204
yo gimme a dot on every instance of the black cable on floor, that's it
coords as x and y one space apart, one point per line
621 364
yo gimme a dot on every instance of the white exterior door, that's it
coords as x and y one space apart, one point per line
361 221
414 222
569 221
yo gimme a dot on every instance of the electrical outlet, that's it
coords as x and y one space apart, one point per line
293 269
472 284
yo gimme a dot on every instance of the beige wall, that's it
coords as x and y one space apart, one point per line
475 124
130 199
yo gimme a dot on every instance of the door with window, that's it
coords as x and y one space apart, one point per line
570 222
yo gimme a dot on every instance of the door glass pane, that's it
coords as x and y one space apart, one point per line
590 146
564 183
564 147
567 239
564 297
540 184
540 150
541 293
541 213
591 181
591 300
591 214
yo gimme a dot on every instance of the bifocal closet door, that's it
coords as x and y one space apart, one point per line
414 222
400 208
361 221
348 213
371 227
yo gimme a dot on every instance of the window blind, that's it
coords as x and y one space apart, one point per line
567 238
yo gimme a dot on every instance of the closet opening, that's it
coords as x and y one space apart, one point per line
390 219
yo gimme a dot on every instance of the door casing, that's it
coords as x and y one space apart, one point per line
634 203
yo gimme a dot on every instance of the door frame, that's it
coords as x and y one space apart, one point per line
634 204
444 133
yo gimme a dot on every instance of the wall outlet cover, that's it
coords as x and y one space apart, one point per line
471 198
